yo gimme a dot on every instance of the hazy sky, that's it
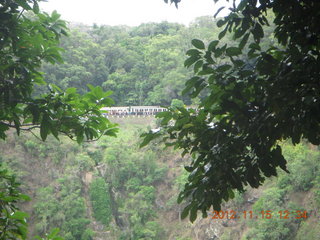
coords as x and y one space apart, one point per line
129 12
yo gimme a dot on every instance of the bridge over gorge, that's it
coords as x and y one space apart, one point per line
134 111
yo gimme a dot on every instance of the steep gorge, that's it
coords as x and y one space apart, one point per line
142 186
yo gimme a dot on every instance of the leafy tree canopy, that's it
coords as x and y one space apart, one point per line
27 38
251 99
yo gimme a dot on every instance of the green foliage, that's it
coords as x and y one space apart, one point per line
316 191
181 179
280 196
53 235
251 98
179 182
303 167
275 227
13 223
28 40
46 207
133 174
84 162
151 230
131 168
87 235
141 65
139 183
238 199
77 227
100 199
308 230
176 103
62 206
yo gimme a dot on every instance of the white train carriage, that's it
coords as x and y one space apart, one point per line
133 111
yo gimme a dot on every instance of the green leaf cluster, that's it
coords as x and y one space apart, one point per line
28 39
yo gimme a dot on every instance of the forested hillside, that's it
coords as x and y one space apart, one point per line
111 188
142 65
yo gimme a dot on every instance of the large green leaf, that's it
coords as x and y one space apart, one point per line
198 44
233 51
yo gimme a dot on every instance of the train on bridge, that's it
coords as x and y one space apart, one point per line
133 111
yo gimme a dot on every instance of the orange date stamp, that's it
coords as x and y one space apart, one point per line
283 214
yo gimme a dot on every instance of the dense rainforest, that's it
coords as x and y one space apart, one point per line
142 65
112 189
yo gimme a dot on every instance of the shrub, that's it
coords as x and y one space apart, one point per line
100 199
